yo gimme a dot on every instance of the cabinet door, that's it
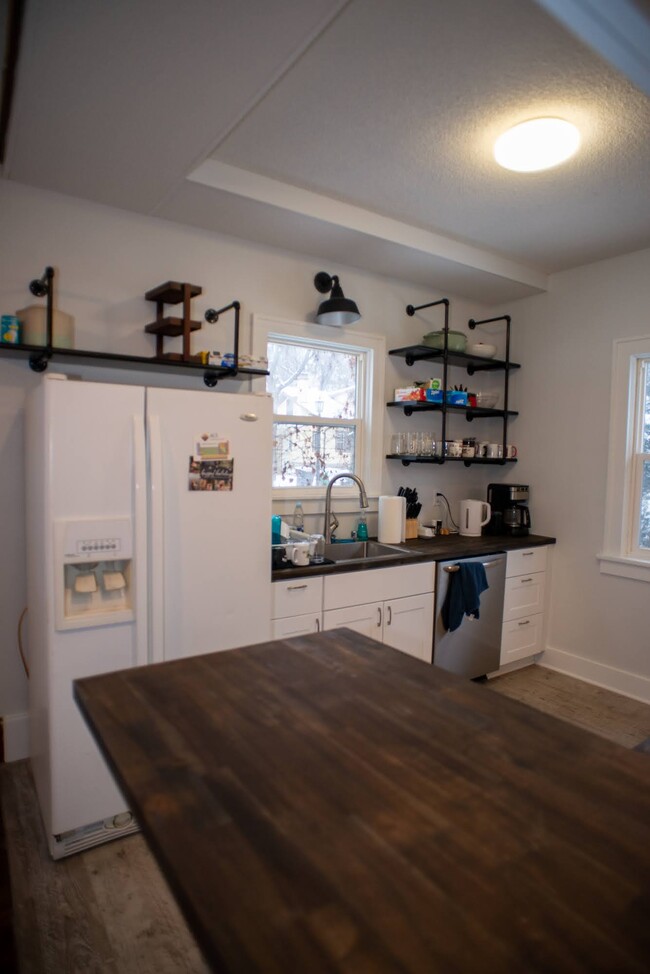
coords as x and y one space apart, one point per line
521 638
367 619
524 596
295 626
408 625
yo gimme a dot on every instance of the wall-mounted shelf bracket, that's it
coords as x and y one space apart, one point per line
410 310
212 316
43 287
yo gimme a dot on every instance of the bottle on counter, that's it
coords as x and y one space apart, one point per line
298 517
362 529
276 529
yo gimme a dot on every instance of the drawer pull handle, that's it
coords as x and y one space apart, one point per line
317 625
527 554
526 622
295 588
390 615
378 617
524 580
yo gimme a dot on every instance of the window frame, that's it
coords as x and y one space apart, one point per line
621 553
369 397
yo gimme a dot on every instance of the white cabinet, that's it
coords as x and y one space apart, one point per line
408 625
295 626
401 613
524 604
297 607
521 638
524 595
368 619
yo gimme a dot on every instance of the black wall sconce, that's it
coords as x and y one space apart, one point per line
336 310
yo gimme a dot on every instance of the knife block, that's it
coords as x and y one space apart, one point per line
411 529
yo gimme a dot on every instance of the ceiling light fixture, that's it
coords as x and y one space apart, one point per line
337 309
539 143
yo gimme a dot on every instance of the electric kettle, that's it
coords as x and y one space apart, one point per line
473 516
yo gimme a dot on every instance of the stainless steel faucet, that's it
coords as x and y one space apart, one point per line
329 518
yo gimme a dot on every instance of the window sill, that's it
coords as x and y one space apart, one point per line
633 568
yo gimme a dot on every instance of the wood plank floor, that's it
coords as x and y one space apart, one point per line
600 711
109 911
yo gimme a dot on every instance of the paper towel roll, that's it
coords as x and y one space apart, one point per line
392 519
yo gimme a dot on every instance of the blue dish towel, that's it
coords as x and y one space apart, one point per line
464 594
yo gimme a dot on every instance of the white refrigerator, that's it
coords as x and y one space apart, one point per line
148 539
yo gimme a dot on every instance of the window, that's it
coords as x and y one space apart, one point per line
640 466
627 524
327 397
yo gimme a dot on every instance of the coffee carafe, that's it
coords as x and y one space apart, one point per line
509 512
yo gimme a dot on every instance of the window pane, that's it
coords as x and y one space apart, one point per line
308 381
309 456
646 407
644 520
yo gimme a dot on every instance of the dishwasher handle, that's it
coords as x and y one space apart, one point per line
486 564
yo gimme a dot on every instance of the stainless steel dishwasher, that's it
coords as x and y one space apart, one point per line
474 648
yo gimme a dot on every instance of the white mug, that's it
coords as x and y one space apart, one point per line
492 450
298 554
454 448
511 451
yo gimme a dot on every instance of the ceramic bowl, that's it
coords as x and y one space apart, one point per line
456 340
482 349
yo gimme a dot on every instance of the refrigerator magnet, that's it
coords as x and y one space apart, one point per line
211 446
210 474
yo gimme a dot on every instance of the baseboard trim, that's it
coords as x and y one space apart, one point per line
16 736
599 674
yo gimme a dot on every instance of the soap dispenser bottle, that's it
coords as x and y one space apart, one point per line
298 517
362 529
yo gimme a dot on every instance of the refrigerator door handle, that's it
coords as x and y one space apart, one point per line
156 548
140 540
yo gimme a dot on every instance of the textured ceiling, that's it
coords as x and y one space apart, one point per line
374 120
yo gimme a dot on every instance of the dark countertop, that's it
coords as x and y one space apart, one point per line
328 804
442 548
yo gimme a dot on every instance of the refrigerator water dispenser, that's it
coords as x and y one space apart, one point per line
93 572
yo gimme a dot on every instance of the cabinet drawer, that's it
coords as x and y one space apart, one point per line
524 595
297 596
521 638
526 560
378 585
295 626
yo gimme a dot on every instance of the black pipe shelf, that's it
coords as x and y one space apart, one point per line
407 458
411 406
473 363
39 356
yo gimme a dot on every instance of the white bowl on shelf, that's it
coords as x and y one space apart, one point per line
482 349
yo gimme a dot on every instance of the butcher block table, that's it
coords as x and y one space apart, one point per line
326 803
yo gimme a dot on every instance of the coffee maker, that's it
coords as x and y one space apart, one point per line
509 512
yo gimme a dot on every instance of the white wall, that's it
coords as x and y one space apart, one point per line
600 624
105 260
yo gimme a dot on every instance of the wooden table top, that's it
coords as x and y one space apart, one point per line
326 803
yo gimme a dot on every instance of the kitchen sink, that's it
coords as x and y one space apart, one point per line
365 551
